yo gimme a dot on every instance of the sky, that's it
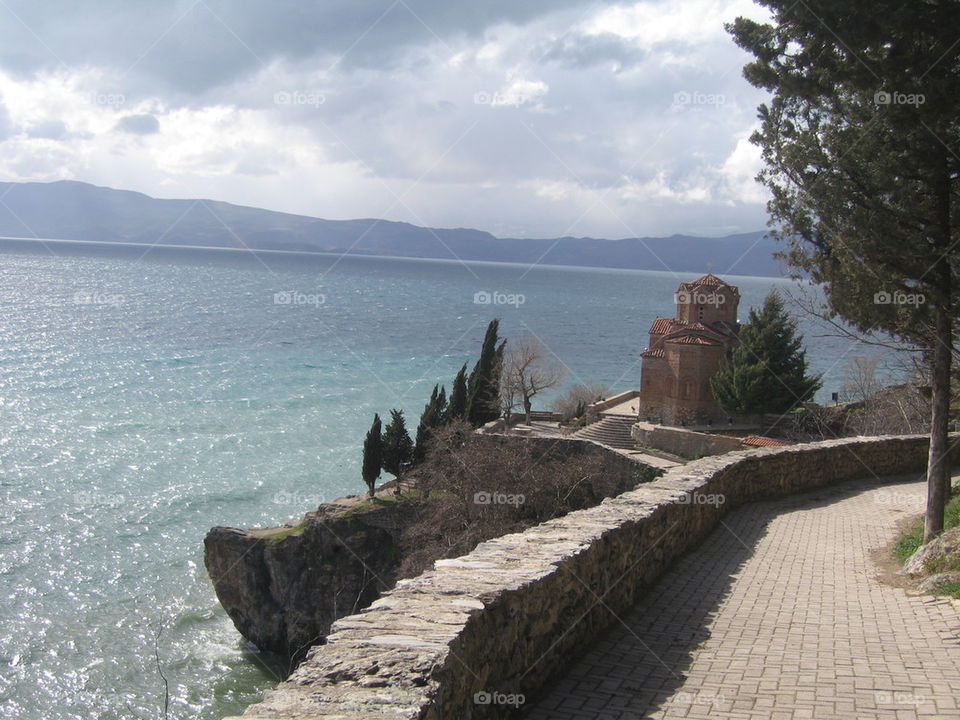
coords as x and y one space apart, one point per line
525 118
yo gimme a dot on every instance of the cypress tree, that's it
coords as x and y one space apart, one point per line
457 407
372 455
432 417
397 445
483 388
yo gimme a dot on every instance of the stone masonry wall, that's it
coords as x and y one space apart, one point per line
685 443
468 638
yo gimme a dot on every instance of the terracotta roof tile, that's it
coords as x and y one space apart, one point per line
699 326
661 326
654 353
684 339
760 441
708 280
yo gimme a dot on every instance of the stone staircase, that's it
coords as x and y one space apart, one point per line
611 430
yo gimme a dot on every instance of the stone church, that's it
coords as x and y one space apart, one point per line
685 351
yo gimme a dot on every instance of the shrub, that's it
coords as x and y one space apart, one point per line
574 403
474 487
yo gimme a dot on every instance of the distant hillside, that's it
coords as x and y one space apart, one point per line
78 211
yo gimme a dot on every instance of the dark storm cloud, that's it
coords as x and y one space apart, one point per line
194 47
531 116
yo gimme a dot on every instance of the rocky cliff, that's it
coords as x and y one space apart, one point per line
283 587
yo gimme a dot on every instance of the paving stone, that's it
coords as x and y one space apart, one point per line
779 615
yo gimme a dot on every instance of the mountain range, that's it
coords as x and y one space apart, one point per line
71 210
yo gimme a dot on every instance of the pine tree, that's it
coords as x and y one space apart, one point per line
457 407
372 455
397 445
767 371
483 388
859 141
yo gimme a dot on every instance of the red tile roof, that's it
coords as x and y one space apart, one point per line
760 441
661 326
700 327
708 279
685 339
654 353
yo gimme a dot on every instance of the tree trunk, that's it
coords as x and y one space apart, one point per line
938 465
527 408
937 462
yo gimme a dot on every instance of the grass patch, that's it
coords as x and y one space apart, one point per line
909 543
952 589
281 533
372 504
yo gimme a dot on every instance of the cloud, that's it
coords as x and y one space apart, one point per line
197 46
525 119
581 50
6 124
48 130
139 124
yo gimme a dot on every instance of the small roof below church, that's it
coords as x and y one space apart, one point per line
662 326
695 334
702 328
692 340
761 441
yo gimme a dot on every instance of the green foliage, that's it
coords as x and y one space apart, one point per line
457 407
952 589
275 536
909 543
859 145
433 416
857 142
372 455
767 371
581 409
483 387
397 446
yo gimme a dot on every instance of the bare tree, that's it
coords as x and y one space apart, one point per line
578 398
860 380
528 369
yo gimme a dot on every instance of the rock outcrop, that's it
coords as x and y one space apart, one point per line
283 587
476 635
935 552
932 584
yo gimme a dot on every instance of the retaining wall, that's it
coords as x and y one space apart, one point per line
685 443
463 640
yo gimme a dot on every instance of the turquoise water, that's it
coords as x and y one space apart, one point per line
146 398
